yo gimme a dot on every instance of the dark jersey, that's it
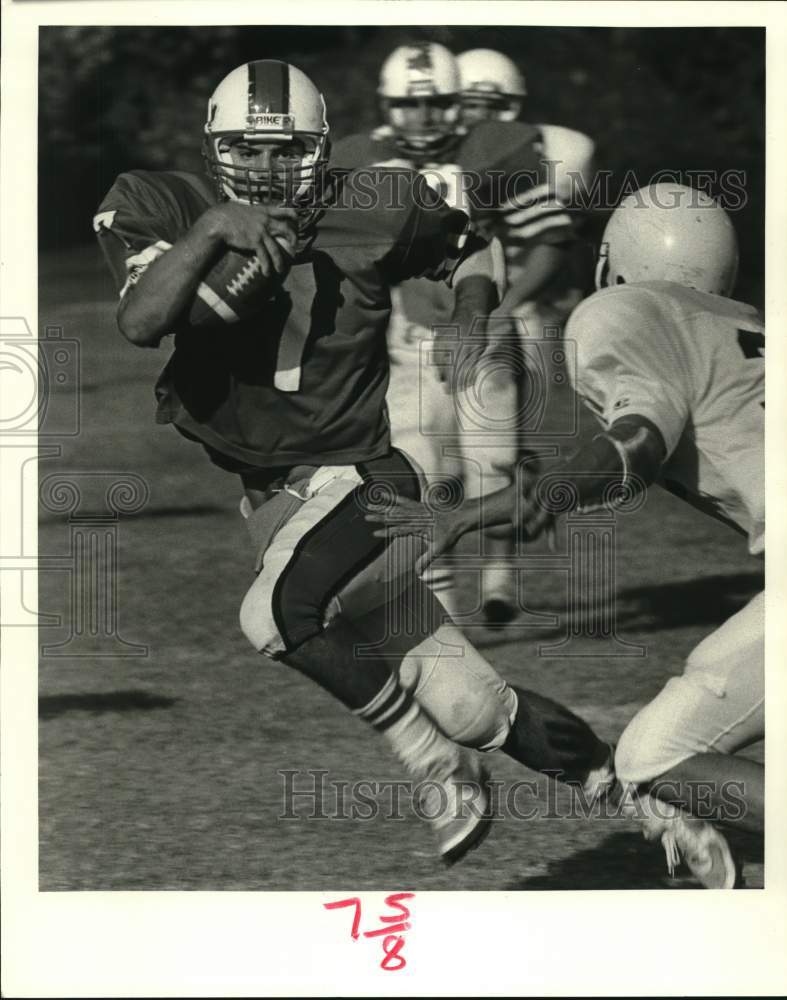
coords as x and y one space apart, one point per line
305 381
502 162
495 172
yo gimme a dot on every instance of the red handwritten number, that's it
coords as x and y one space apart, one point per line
393 901
393 925
353 901
392 945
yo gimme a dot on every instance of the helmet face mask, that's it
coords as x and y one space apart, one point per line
247 168
422 124
266 138
669 232
419 96
480 106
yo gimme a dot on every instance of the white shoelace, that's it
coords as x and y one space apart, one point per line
671 850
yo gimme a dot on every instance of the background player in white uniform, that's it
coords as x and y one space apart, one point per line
419 95
674 371
543 283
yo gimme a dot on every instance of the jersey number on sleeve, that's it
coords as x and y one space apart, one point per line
752 344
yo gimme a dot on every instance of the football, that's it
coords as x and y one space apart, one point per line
234 288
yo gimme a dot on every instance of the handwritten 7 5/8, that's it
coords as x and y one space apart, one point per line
391 931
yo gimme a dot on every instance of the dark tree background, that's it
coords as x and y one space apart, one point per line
115 98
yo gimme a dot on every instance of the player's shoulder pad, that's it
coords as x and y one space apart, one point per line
376 205
360 150
574 150
619 312
149 192
499 145
380 213
143 204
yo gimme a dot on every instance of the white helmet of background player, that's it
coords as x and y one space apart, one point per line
272 102
668 232
492 86
419 94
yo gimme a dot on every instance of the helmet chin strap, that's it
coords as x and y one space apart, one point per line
426 146
602 267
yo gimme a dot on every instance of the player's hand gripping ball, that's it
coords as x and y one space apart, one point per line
258 239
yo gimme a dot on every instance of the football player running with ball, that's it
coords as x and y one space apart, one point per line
274 279
494 171
673 369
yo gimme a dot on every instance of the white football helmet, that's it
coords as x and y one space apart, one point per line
419 94
492 86
669 232
273 102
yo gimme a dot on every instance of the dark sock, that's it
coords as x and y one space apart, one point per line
547 737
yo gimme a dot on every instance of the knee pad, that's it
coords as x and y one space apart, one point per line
659 736
628 760
464 695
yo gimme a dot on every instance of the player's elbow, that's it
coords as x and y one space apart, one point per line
642 443
135 323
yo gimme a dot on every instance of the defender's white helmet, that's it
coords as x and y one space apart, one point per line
419 93
492 86
274 101
669 232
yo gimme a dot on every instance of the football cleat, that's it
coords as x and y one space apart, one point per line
499 611
458 806
703 849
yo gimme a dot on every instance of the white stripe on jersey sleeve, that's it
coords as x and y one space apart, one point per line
533 212
140 262
529 197
527 232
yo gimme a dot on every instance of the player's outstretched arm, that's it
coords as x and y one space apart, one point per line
442 529
151 308
541 265
629 453
475 297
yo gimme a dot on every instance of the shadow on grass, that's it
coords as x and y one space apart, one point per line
53 705
183 510
150 514
627 861
709 601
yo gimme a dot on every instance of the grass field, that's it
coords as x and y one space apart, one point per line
160 771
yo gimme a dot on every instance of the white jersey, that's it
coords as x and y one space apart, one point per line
569 158
693 364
